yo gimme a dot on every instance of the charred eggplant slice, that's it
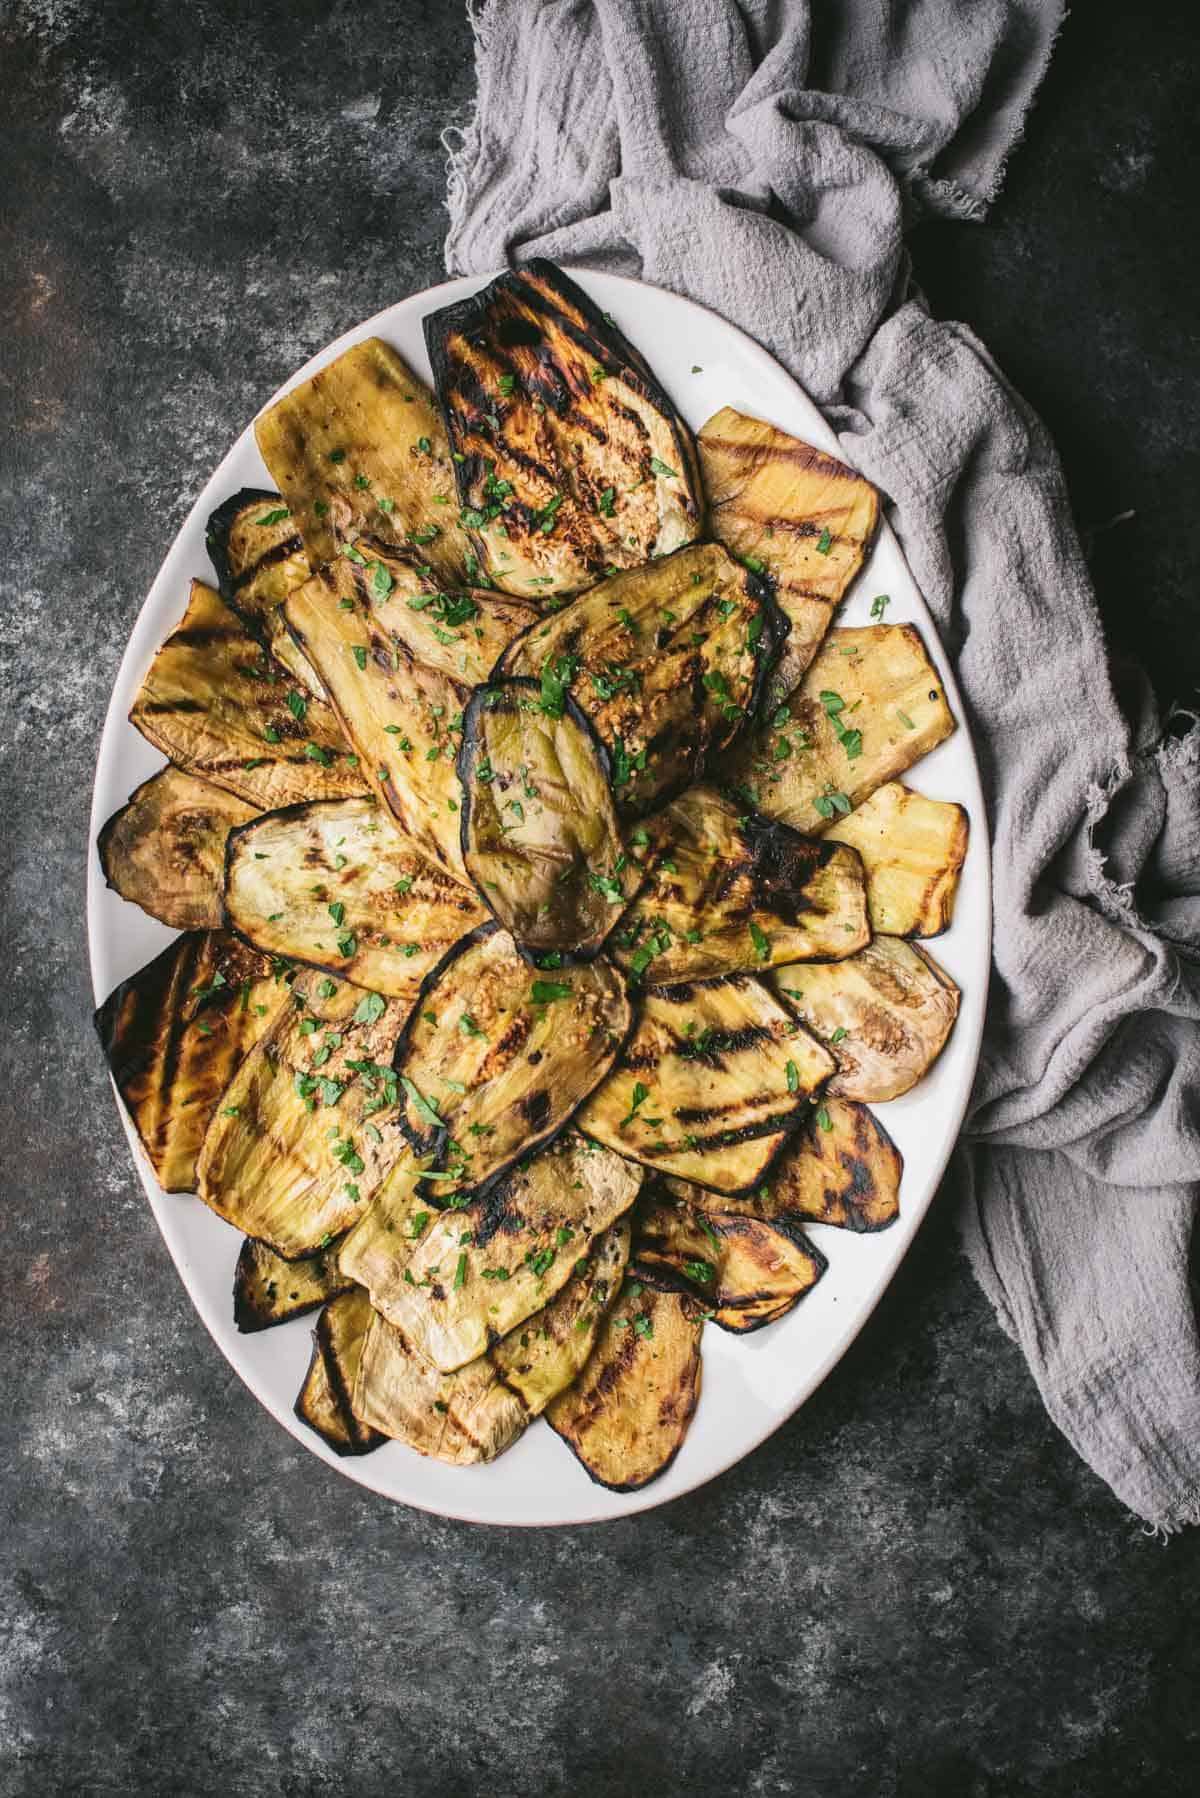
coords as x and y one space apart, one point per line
843 1168
341 1335
360 446
748 1271
730 891
912 850
570 458
335 884
496 1057
220 707
713 1080
269 1290
542 1356
540 836
462 1417
668 662
259 559
870 706
317 1405
886 1013
804 518
307 1128
628 1412
399 660
165 849
479 1271
174 1033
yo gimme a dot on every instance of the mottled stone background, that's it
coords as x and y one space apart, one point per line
914 1588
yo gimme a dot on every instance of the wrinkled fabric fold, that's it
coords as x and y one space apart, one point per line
766 159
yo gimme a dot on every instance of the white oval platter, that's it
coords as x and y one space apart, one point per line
750 1384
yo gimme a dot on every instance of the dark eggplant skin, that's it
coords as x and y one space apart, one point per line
437 1142
578 953
252 1315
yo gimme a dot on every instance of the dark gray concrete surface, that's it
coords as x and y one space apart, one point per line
914 1588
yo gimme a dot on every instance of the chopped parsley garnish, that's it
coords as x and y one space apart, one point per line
275 517
660 467
369 1009
793 1077
879 605
556 678
762 943
638 1099
824 543
545 992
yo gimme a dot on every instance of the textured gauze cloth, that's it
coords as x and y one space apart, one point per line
764 158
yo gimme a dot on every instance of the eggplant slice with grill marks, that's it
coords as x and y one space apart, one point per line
807 519
174 1033
165 849
218 706
269 1290
317 1405
334 884
481 1270
713 1080
730 891
570 458
259 558
462 1417
399 659
324 1401
668 662
885 1012
360 446
540 836
627 1414
871 705
307 1128
843 1168
747 1270
542 1356
912 850
496 1057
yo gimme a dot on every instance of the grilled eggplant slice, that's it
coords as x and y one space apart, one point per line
375 1253
807 518
749 1271
480 1271
668 662
732 891
399 661
888 1010
496 1058
843 1168
713 1080
360 446
269 1290
570 458
541 1357
259 558
540 836
912 850
870 706
341 1335
336 885
318 1406
174 1033
628 1412
165 849
461 1417
306 1131
219 707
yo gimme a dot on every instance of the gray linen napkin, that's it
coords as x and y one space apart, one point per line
765 158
